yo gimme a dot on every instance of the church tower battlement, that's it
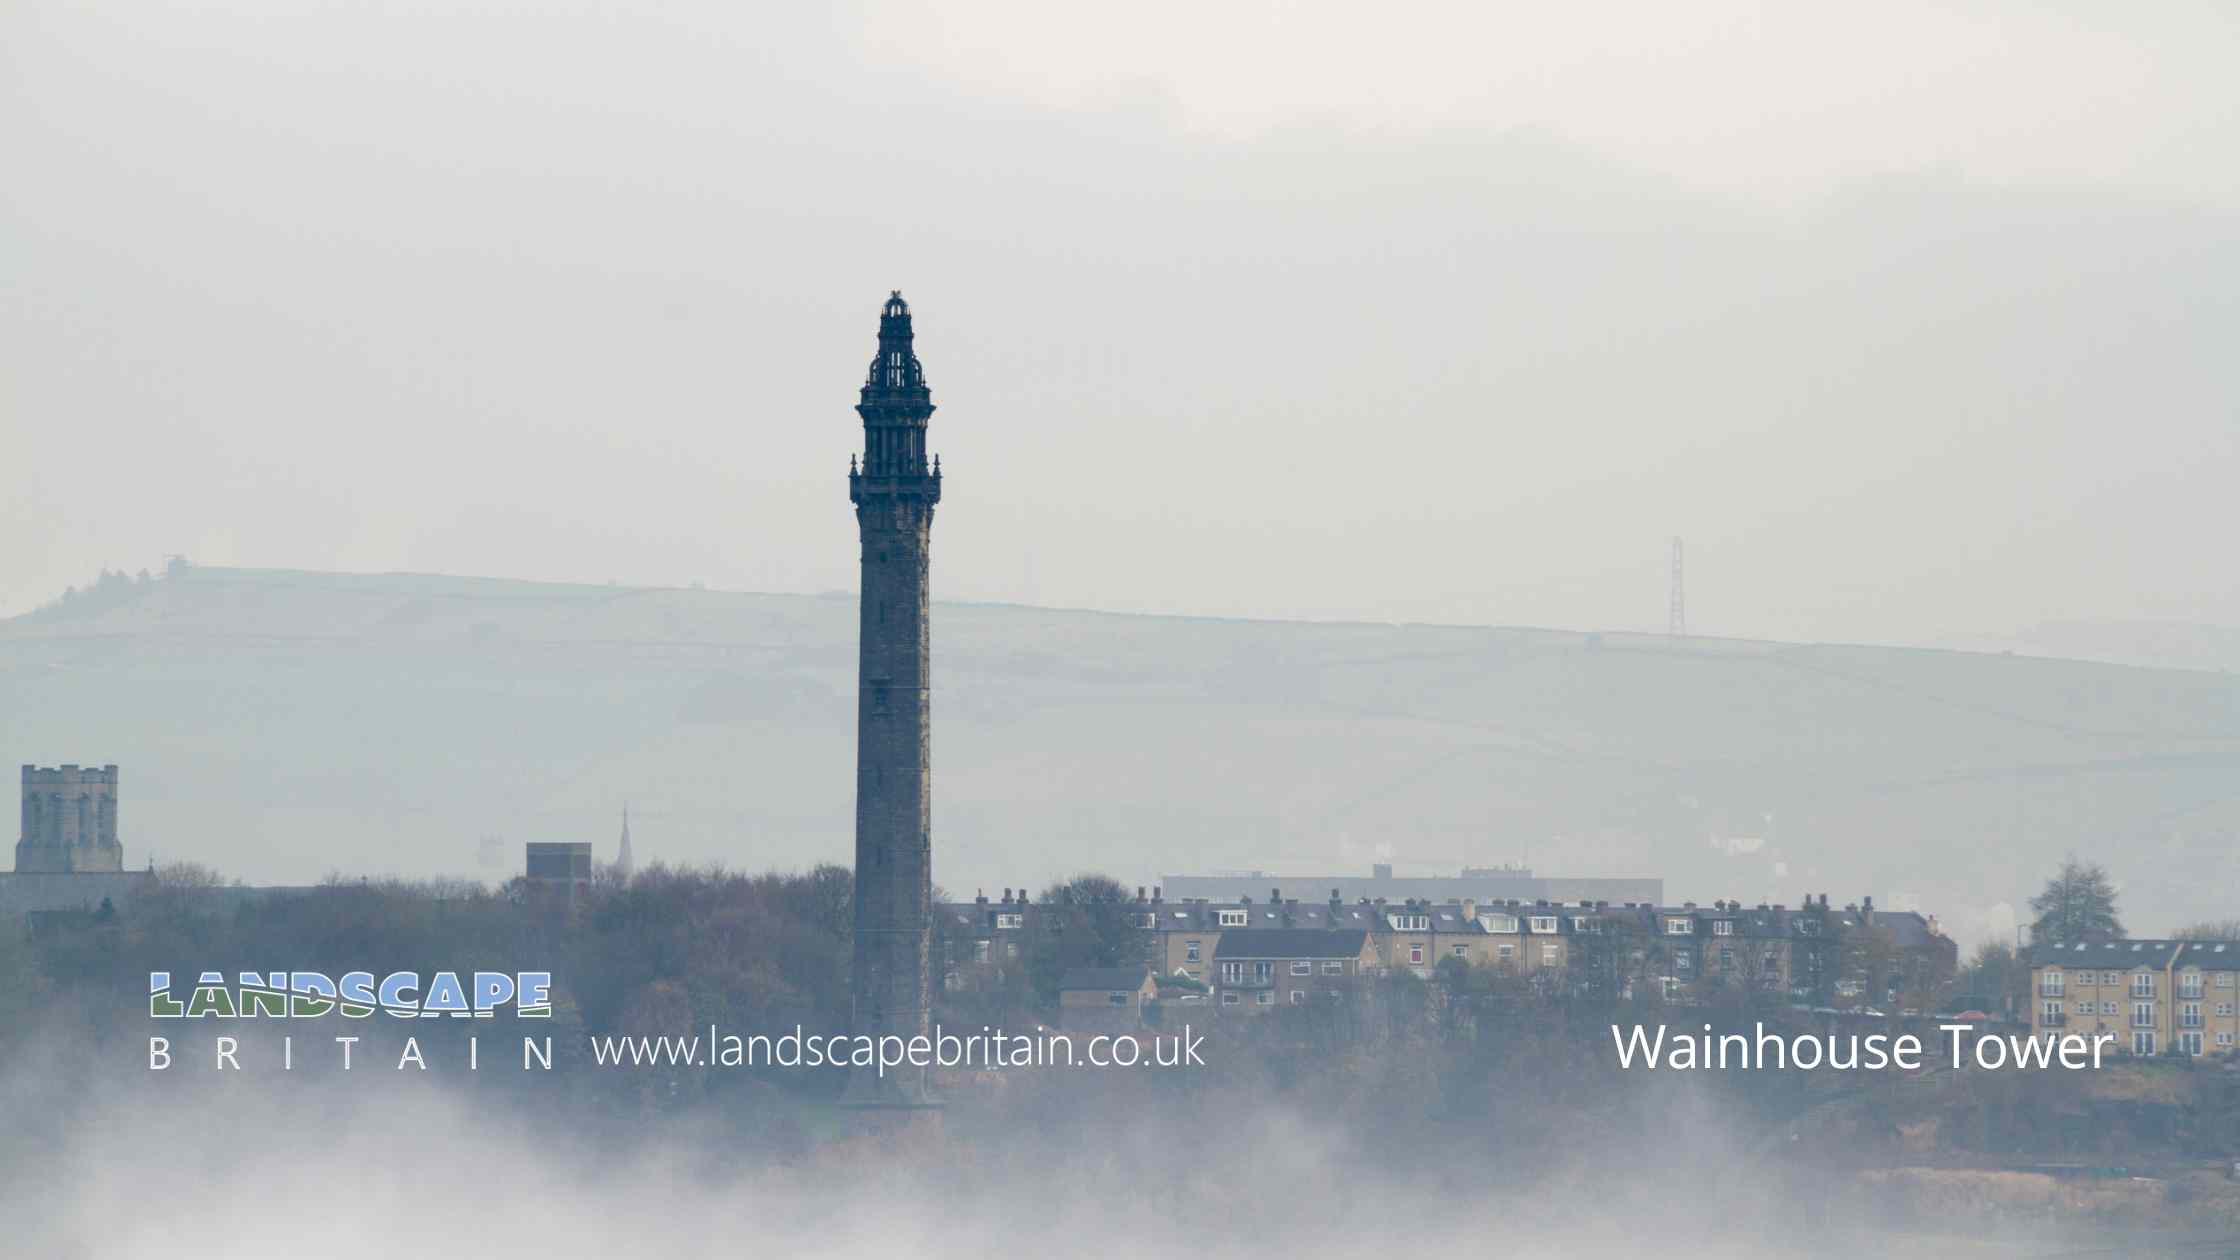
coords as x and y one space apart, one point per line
69 821
894 490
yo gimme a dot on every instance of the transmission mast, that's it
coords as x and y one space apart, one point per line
1677 624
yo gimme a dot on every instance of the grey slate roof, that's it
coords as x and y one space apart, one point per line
1104 978
1281 943
2124 955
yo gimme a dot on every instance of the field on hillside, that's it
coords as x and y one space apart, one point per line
280 725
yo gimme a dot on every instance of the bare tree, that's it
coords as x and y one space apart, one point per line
2077 903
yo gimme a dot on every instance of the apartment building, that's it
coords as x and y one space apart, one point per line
1259 969
2153 996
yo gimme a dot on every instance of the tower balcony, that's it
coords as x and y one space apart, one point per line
923 487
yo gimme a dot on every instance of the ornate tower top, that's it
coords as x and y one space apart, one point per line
895 375
895 406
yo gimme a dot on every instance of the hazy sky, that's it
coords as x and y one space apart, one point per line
1913 319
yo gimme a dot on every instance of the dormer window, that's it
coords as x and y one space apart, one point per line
1235 918
1544 924
1722 927
1679 926
1409 922
1502 923
1004 921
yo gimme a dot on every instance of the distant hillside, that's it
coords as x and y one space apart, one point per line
280 725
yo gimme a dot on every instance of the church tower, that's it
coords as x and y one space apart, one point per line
894 491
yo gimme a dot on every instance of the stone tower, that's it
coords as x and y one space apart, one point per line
894 491
69 821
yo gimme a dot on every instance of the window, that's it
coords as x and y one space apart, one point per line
1415 954
1235 918
1462 951
1333 969
1409 922
980 951
2189 1015
1298 997
1264 998
1679 927
1586 925
1263 971
1551 954
1190 951
1544 924
1502 924
1683 961
1011 949
2142 984
2224 979
1007 921
1726 958
2142 1014
1302 968
2113 977
2051 1010
2189 984
2052 984
2107 1008
1230 999
1232 973
2224 1039
1505 951
1722 927
1147 921
2142 1043
1116 999
2224 1008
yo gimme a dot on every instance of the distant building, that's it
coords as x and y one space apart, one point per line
68 858
69 821
1480 884
625 861
1107 998
558 872
1258 969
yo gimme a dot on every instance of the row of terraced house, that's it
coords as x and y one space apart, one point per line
1250 956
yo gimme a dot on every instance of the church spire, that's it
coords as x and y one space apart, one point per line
623 860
